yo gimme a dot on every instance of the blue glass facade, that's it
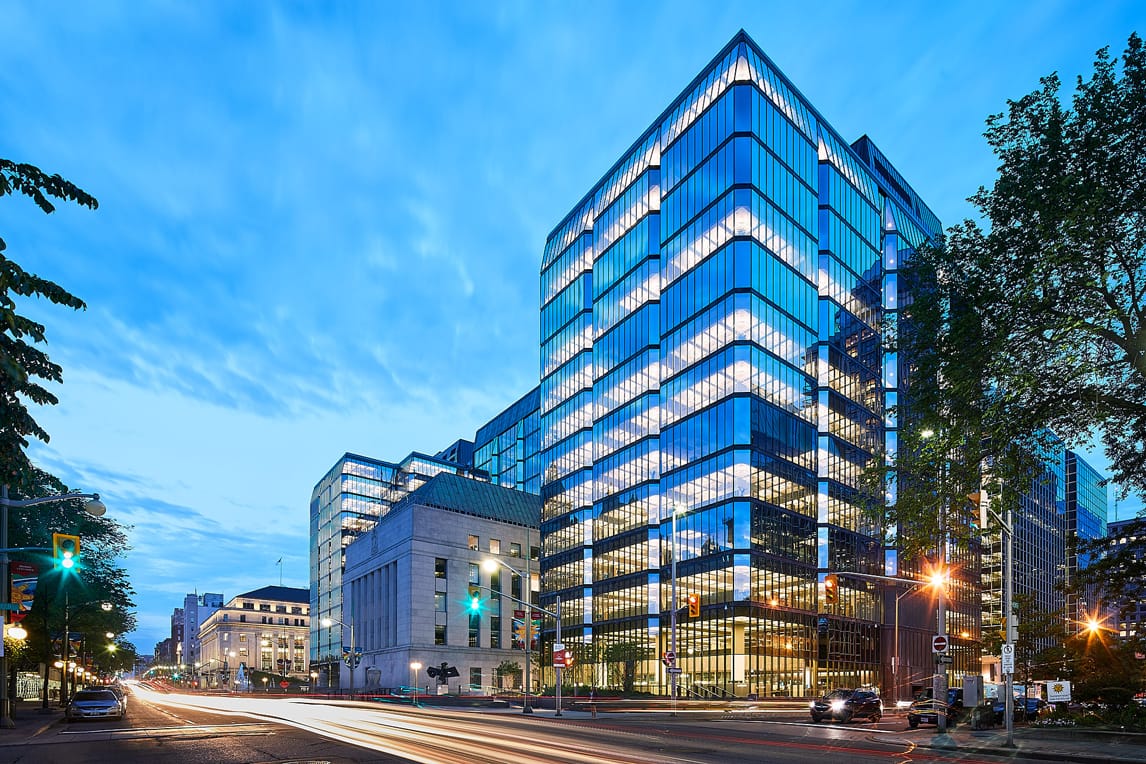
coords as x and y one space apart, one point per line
712 346
506 448
1086 507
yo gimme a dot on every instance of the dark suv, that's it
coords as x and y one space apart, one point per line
846 705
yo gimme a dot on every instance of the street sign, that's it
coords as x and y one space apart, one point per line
939 643
284 684
675 670
1008 659
668 657
944 660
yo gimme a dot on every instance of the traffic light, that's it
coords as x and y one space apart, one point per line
693 605
65 550
473 605
831 589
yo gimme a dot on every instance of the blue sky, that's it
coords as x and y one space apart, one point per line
321 224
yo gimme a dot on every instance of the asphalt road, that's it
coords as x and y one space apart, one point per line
252 730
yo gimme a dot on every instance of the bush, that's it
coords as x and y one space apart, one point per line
1116 696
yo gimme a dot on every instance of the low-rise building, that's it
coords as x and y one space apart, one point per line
408 583
266 630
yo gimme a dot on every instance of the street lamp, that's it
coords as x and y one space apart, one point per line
1008 529
94 507
106 607
673 674
353 656
896 661
415 667
490 564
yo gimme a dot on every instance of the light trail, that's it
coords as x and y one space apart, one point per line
426 736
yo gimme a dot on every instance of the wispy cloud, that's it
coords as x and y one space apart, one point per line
321 224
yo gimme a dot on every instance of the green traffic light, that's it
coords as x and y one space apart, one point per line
475 604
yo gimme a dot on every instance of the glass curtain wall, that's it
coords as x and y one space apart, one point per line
711 361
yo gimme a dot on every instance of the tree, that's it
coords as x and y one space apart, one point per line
23 367
1045 312
511 669
627 655
21 363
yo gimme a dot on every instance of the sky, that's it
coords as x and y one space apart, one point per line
320 225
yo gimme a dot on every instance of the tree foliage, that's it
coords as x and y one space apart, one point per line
24 368
1045 325
21 362
1034 322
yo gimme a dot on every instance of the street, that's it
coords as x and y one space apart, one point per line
248 728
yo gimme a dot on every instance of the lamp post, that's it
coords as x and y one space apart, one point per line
415 667
673 674
896 661
1008 529
327 623
491 563
94 507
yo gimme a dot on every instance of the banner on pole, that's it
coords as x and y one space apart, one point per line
24 577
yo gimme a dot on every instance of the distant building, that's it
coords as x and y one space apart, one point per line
196 607
266 630
1132 624
1085 509
409 580
1064 505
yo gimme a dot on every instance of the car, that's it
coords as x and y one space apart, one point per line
1026 709
845 705
94 704
924 709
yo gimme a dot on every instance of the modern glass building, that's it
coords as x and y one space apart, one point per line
1086 506
713 380
1066 502
506 448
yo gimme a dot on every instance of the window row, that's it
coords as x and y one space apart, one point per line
741 213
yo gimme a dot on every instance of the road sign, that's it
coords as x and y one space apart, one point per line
668 657
284 684
939 643
944 660
675 670
1008 659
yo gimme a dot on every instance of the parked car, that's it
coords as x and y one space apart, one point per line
94 704
846 705
1026 709
924 709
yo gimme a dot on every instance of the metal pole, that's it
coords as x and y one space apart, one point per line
67 648
895 660
528 592
939 685
5 706
1008 620
558 668
672 646
353 658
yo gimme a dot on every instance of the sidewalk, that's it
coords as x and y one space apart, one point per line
30 721
1051 744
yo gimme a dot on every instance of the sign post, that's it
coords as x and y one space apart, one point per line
939 643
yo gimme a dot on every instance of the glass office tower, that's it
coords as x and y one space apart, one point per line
713 381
